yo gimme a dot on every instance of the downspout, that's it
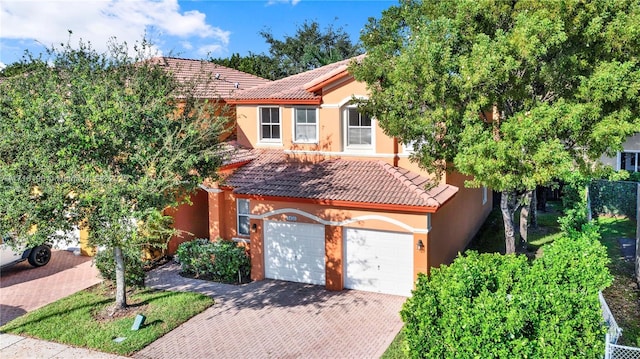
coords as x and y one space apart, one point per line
396 158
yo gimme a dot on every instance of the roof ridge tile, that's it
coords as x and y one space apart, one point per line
421 192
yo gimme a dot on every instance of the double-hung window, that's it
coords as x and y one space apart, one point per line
359 129
305 125
243 216
629 161
270 124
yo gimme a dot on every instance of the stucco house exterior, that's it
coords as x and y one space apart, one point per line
627 159
321 195
216 84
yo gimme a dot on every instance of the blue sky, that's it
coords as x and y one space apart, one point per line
191 29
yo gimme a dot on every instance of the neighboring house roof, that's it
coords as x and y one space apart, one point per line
213 80
297 89
337 182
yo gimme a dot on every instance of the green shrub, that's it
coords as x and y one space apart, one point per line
195 257
495 306
134 274
221 261
613 198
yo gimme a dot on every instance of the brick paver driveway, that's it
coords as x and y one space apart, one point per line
24 288
276 319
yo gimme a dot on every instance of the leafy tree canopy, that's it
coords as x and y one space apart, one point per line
308 49
517 94
104 140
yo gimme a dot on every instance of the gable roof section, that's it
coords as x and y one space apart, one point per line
338 182
214 81
300 89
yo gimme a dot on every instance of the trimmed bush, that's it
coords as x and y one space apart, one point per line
134 274
495 306
222 260
616 198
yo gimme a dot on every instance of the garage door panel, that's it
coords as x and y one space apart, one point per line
294 252
378 261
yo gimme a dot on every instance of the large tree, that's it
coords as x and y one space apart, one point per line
516 94
257 64
310 48
104 140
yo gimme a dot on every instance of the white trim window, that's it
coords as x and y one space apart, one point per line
305 125
270 126
359 128
242 209
629 161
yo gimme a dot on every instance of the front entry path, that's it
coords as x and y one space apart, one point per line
276 319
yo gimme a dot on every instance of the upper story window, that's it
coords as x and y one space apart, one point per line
629 161
305 125
359 128
243 216
270 124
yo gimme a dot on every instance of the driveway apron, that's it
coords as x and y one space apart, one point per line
277 319
24 288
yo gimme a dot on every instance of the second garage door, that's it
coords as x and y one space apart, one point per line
378 261
294 252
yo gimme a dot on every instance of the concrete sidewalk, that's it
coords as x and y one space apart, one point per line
16 347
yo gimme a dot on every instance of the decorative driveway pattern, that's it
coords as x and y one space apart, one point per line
277 319
24 288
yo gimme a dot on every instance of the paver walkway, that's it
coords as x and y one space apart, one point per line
276 319
24 288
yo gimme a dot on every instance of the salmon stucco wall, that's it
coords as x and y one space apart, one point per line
334 264
191 220
338 215
455 224
331 125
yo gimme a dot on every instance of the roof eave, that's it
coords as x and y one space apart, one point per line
320 85
342 203
275 101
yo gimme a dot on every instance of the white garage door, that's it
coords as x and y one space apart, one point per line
294 252
378 261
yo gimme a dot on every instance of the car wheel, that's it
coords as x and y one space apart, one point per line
40 256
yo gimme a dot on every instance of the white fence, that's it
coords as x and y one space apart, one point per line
613 350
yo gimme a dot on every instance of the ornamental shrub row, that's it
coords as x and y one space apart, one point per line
221 260
503 306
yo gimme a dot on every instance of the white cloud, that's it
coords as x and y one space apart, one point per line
274 2
186 45
210 50
96 21
2 65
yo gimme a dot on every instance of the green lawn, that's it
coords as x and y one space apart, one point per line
75 320
622 296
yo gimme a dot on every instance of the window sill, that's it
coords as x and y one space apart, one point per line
272 144
241 240
314 142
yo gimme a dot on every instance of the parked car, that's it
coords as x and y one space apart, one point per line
37 256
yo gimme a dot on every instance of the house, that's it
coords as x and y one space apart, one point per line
217 84
627 159
321 195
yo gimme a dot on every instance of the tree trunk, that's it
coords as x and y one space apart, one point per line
507 218
121 290
524 216
533 216
542 193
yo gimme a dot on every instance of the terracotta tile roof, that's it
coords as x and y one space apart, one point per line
376 182
233 154
216 80
296 87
